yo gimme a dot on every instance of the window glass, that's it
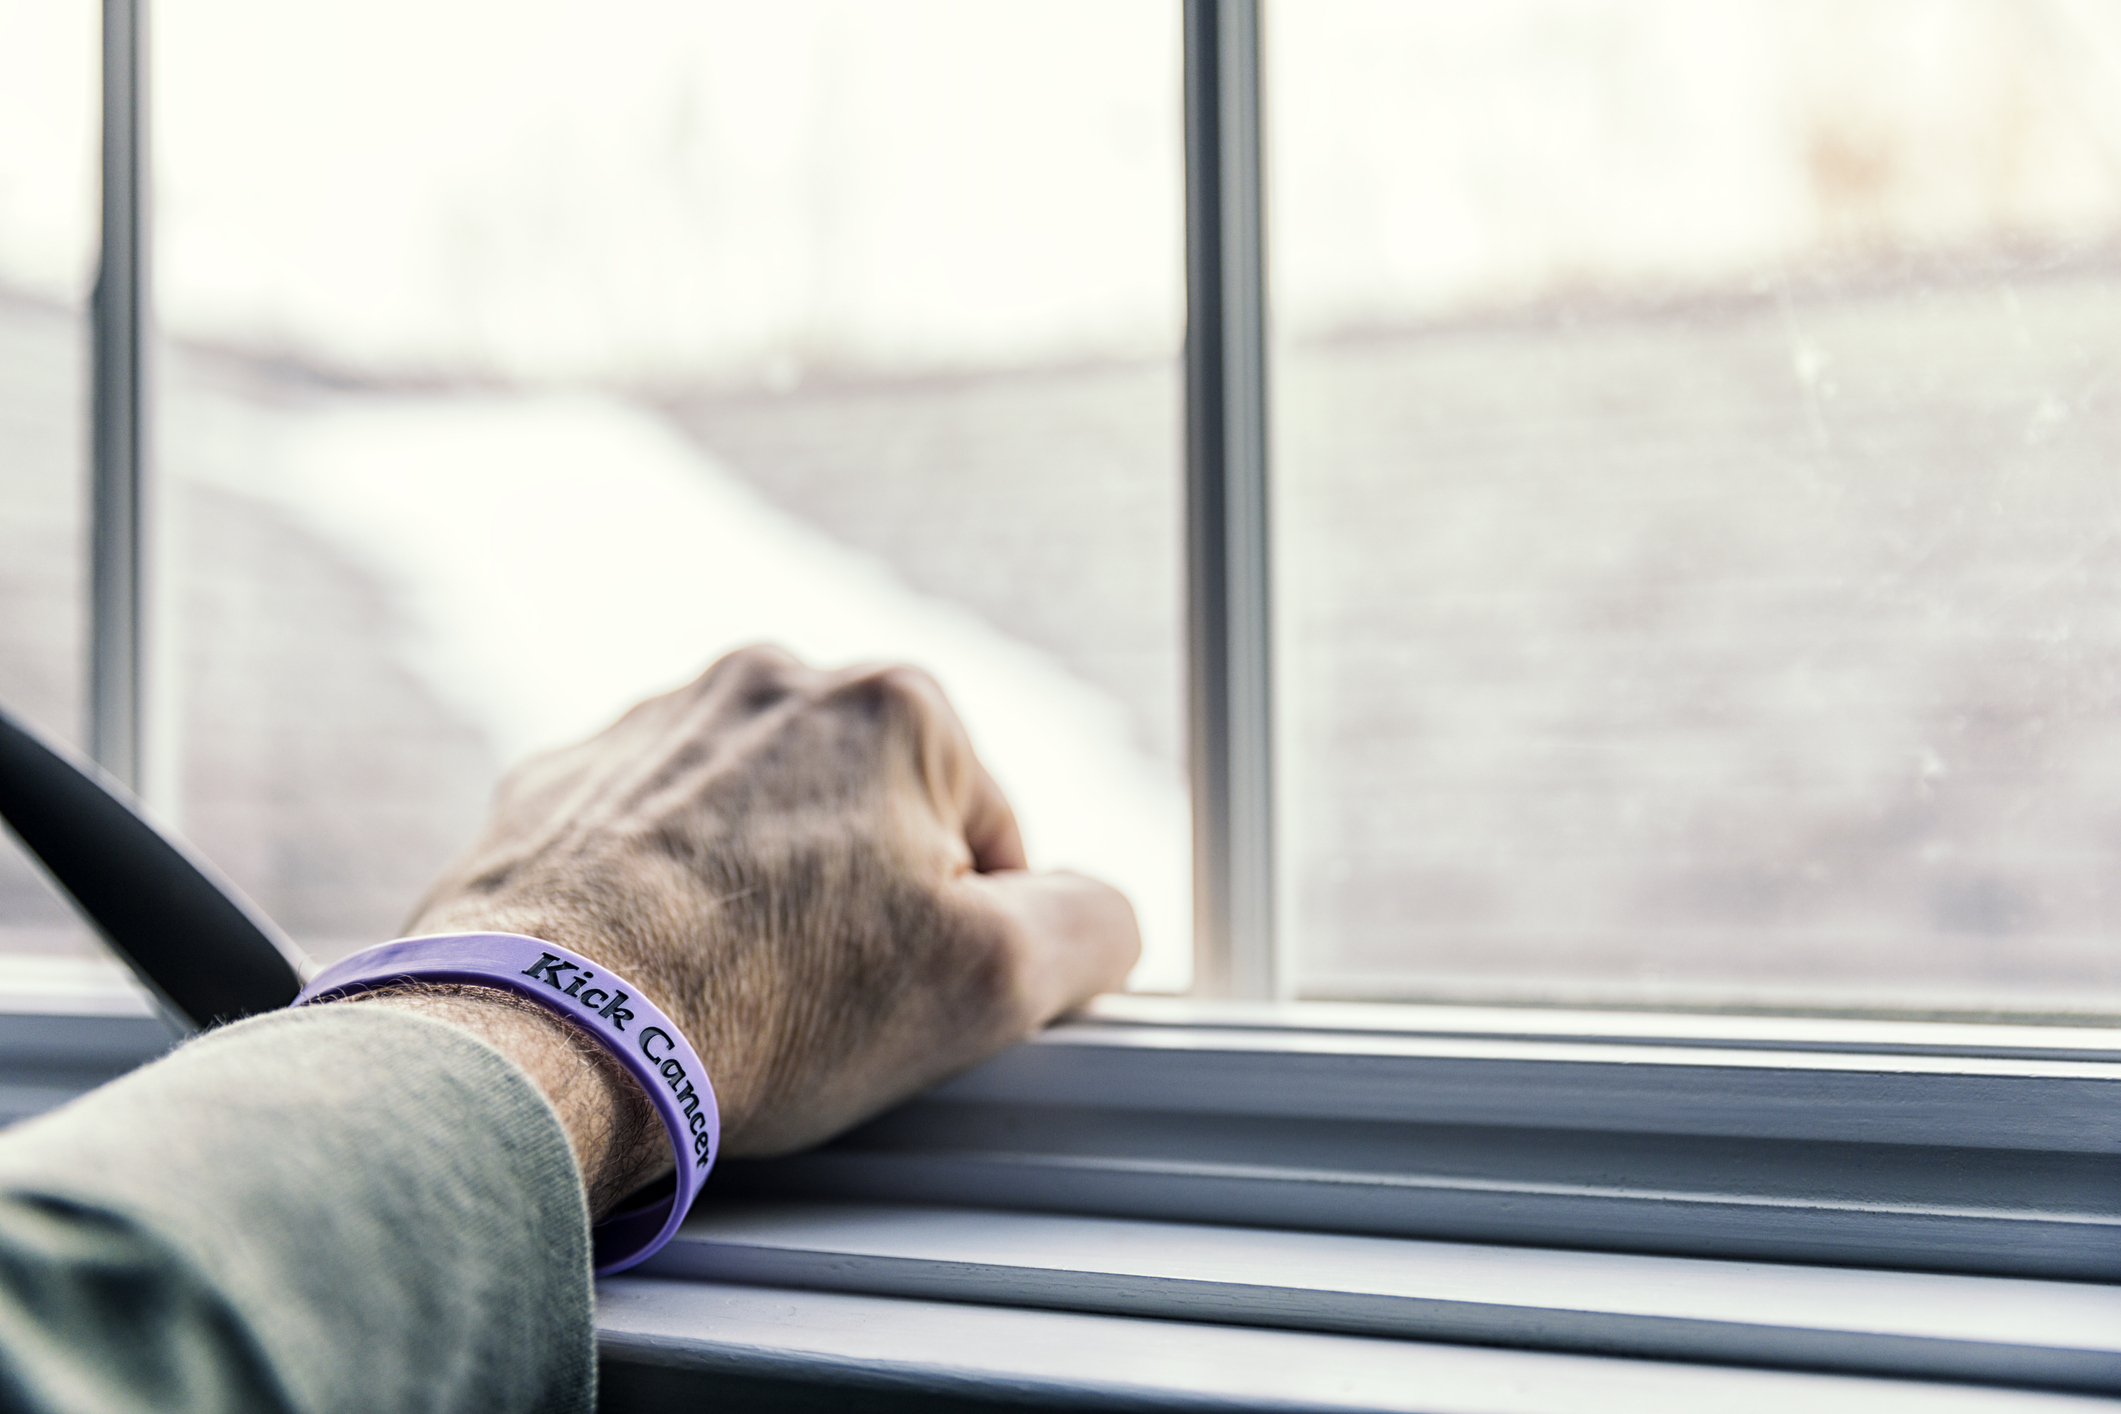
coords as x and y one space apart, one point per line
48 135
530 356
1700 545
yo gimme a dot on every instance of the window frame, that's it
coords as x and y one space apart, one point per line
1242 948
121 435
1229 554
1904 1145
1241 1058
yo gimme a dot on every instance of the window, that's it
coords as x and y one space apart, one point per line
1684 546
1695 502
488 324
571 348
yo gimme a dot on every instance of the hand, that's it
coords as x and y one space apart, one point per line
811 873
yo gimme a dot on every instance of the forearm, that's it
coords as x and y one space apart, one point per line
386 1206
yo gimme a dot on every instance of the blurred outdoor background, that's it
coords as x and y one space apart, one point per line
1695 420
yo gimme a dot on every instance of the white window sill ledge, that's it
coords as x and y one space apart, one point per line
693 1344
1823 1319
1705 1163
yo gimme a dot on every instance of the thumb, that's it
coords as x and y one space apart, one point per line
1071 936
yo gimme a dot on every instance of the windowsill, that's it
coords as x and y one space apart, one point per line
1632 1195
2066 1037
1903 1153
1178 1204
1986 1329
738 1348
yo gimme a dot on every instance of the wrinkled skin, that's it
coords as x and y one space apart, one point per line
811 872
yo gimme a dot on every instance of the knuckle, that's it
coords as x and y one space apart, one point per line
893 690
908 681
763 656
903 681
757 676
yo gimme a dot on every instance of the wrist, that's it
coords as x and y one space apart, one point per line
618 1143
731 1056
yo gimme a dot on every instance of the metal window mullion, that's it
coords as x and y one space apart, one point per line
1229 646
118 427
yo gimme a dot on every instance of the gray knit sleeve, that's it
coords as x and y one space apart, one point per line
331 1209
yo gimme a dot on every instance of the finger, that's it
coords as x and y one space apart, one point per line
1071 936
925 725
961 784
991 830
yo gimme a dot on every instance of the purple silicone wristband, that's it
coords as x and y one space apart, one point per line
654 1051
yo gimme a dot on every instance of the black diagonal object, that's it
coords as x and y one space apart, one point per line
193 939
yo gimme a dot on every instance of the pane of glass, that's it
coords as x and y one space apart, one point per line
48 135
1696 500
570 345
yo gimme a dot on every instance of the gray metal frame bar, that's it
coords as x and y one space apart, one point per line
1230 679
118 430
1998 1165
740 1349
1848 1320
